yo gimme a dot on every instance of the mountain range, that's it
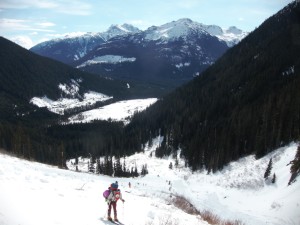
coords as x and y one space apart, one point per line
245 102
73 47
180 50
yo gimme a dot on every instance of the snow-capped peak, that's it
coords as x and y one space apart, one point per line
174 30
184 27
234 30
115 30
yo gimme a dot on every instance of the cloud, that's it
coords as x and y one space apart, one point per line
25 25
15 24
69 7
21 4
67 35
23 41
75 8
45 24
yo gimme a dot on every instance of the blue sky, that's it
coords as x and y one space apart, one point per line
29 22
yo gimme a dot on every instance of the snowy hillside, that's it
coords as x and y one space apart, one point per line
118 111
34 194
72 99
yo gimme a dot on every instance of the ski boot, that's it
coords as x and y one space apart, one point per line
109 218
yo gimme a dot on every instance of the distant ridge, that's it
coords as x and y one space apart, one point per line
180 50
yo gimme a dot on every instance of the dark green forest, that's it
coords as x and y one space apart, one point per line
247 102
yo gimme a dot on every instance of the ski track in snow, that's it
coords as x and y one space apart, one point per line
34 194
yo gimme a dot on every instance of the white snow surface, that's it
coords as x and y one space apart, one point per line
108 59
72 89
34 194
58 106
118 111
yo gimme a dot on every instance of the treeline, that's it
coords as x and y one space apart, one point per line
32 143
113 167
54 143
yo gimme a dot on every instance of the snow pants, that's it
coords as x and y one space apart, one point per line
114 206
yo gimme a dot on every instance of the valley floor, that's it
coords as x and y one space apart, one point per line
35 194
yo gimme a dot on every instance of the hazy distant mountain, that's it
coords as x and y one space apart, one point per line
71 48
169 54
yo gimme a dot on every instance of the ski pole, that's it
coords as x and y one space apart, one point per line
123 211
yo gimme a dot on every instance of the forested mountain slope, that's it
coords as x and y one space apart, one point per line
25 75
247 102
24 127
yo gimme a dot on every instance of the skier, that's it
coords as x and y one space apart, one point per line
114 196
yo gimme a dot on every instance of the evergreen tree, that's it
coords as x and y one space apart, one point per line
98 166
144 170
118 171
295 167
176 162
91 166
135 174
268 170
274 179
171 165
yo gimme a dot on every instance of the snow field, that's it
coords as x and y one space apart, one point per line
34 194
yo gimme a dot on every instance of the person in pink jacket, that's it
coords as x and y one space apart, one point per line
113 197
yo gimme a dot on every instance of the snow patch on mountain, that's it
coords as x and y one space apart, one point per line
70 99
180 65
72 89
119 111
232 35
59 106
108 59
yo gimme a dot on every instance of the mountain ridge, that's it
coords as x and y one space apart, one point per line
54 48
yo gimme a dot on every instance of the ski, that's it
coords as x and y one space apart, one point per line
116 222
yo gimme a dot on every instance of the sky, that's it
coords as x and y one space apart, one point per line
29 22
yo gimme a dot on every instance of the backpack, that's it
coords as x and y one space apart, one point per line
106 194
117 194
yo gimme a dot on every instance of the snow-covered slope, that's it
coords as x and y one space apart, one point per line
118 111
70 99
34 194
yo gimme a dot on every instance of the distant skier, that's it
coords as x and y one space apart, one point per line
129 185
113 197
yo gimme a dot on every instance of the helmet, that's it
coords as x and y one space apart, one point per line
114 185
